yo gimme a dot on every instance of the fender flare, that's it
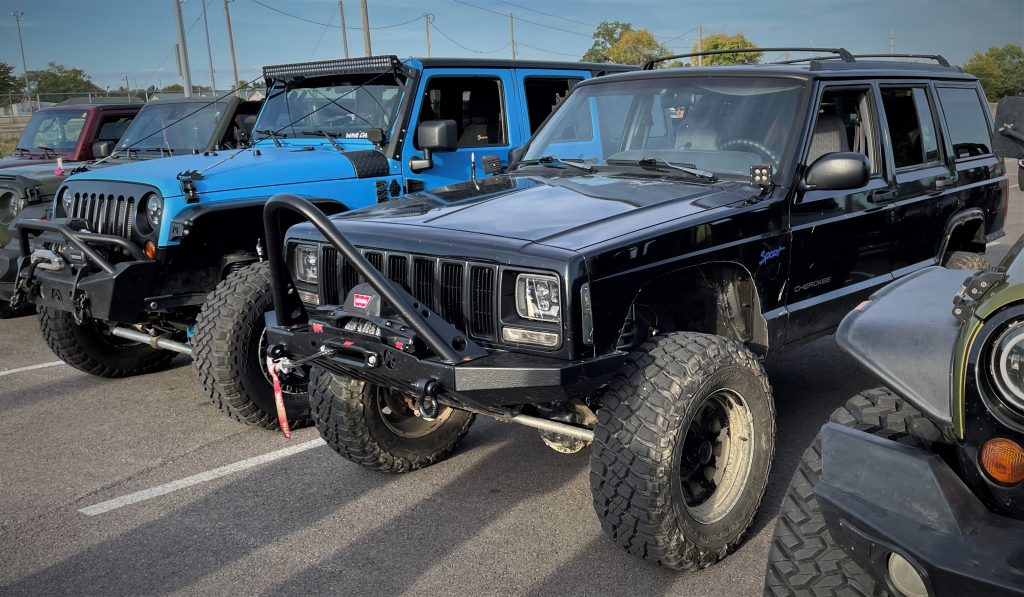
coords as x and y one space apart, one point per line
958 219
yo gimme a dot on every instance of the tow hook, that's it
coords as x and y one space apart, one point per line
426 398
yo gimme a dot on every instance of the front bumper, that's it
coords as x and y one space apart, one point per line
494 380
86 282
880 497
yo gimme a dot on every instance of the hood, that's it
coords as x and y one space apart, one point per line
17 161
568 212
234 169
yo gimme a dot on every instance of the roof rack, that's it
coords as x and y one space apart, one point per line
936 57
369 64
841 53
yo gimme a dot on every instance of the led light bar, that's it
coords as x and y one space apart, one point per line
320 68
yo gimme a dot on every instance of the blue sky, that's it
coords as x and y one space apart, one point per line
114 38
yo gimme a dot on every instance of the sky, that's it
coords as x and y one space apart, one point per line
111 39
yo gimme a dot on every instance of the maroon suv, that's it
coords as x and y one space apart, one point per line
71 131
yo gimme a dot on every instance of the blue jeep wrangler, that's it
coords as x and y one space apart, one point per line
146 260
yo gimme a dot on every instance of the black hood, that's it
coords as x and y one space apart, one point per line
568 212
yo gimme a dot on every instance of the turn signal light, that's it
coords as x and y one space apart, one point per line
150 249
1003 460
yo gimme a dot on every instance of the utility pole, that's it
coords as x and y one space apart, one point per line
231 44
186 73
344 29
892 42
512 33
366 30
127 88
18 16
426 25
209 52
700 45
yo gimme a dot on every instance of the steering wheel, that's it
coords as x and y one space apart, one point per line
751 144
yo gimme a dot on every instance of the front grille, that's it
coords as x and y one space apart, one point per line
104 213
458 291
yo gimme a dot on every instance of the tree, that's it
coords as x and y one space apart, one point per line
606 35
175 88
723 41
57 78
1000 70
636 47
9 82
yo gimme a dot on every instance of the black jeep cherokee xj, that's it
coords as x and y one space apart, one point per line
662 234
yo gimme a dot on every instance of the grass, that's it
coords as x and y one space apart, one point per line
7 147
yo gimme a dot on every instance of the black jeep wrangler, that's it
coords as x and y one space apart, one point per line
662 234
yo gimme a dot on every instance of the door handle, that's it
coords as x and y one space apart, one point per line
944 182
883 196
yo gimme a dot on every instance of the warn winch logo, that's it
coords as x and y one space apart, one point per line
361 301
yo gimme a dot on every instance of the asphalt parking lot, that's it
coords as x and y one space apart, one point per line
504 515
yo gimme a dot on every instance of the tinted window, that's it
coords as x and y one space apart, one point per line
474 103
911 128
845 122
968 128
543 94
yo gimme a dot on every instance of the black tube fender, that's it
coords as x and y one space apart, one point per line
906 335
965 231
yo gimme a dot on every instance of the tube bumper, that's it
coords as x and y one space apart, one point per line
496 379
879 497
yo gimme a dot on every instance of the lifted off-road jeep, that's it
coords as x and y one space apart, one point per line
144 260
663 233
917 489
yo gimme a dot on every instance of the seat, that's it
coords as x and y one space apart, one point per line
483 113
829 136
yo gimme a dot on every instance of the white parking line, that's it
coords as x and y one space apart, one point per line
145 494
31 368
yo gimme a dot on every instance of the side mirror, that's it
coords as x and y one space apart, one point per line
431 136
839 171
101 149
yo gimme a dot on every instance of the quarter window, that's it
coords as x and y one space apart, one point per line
474 103
543 94
911 126
965 117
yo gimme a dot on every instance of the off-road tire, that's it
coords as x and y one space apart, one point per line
226 356
87 349
635 474
804 559
966 260
347 416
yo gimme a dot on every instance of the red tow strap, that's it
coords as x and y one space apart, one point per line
282 417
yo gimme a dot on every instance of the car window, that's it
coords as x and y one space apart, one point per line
112 127
54 130
543 94
965 117
474 103
911 126
845 122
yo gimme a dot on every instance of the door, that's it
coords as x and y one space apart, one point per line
480 104
925 197
841 240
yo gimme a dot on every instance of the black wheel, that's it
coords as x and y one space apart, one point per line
966 260
229 353
682 449
804 559
377 427
89 348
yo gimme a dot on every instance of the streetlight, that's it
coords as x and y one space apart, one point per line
18 16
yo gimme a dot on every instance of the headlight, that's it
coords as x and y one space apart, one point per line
537 297
307 263
154 211
66 199
11 204
1008 365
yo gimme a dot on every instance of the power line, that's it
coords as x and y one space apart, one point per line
522 20
322 32
169 54
548 14
294 16
519 43
468 49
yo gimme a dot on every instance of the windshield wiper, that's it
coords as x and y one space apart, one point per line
47 150
275 135
23 150
655 163
162 150
550 159
330 137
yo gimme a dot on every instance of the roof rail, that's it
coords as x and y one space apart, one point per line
936 57
842 53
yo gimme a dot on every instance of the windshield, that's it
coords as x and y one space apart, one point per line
54 129
345 107
717 124
173 128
